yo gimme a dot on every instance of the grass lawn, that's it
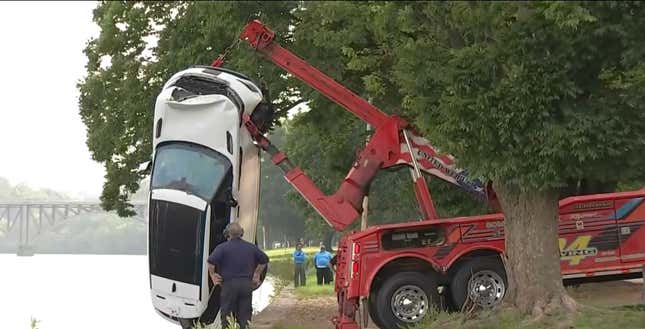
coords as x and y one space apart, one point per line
281 266
288 252
279 326
589 317
281 263
312 289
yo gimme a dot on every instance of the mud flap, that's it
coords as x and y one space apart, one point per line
347 312
363 313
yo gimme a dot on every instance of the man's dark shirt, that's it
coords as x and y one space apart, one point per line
237 258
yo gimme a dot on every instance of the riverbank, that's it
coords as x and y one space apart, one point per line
289 311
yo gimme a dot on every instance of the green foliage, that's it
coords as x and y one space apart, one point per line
532 94
352 42
537 95
277 215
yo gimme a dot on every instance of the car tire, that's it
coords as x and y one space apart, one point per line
487 273
263 116
210 313
406 298
186 323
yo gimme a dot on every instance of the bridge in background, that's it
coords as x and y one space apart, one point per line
31 218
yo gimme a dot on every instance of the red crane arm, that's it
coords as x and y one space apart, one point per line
393 143
261 38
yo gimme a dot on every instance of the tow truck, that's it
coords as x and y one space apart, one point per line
396 273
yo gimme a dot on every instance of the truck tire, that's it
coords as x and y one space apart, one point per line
374 315
405 298
483 280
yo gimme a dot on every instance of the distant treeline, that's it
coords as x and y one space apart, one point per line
100 233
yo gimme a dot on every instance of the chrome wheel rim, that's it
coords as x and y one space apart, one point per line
486 289
409 303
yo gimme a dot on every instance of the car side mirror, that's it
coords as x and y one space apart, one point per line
144 168
230 200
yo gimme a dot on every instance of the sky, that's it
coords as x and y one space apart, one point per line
42 138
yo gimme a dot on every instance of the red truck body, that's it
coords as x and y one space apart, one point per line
602 237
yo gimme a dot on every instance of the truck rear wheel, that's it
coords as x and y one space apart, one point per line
405 299
374 315
482 280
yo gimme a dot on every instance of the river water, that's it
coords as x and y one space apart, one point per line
83 291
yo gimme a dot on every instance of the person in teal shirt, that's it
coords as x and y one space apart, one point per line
299 263
323 271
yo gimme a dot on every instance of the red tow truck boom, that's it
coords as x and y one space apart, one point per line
393 143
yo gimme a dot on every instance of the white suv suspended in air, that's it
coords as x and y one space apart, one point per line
197 187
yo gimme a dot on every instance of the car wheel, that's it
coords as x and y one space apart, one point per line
210 313
483 281
187 323
406 299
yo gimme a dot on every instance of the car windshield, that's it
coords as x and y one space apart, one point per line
190 168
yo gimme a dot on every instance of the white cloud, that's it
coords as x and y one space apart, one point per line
42 138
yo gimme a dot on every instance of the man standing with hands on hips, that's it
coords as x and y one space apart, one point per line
237 265
321 261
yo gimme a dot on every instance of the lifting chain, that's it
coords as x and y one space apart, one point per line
235 44
220 59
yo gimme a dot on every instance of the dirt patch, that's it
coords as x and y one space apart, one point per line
626 292
289 311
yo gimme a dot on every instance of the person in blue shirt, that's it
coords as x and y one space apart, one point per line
299 261
323 271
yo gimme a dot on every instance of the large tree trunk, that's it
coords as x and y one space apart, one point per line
329 237
532 255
